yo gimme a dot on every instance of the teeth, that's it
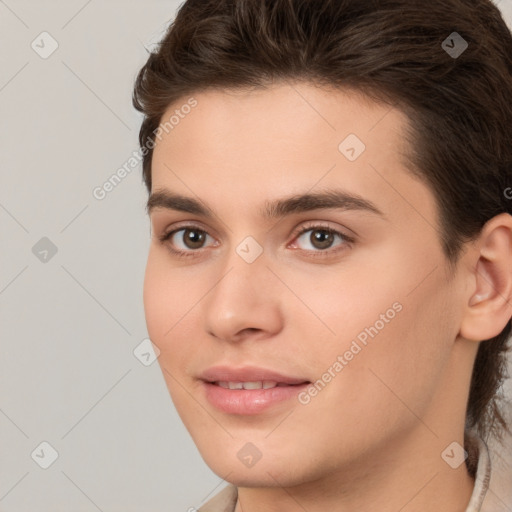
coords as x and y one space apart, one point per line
252 385
266 384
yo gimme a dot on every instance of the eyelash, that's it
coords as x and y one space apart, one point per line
311 227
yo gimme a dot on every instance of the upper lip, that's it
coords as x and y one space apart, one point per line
247 374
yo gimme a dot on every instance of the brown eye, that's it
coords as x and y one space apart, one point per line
185 241
321 238
193 238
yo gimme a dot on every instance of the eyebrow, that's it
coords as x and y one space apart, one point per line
277 208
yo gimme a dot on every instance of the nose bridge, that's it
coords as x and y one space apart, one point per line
242 297
242 279
246 260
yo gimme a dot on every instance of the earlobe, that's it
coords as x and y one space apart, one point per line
489 306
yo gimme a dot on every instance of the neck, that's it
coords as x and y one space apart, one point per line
407 475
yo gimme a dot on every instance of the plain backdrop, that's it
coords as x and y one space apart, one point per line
76 392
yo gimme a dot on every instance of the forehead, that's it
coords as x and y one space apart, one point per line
282 113
247 145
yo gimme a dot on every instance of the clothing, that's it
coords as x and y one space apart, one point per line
478 462
480 453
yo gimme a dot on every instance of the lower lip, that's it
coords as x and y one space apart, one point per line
249 401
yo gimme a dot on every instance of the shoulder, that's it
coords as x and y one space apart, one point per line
224 501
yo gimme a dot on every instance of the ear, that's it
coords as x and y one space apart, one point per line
489 300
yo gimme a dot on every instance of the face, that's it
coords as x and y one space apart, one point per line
341 298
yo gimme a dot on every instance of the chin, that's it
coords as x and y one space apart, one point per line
266 472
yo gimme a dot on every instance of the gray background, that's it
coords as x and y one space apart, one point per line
72 320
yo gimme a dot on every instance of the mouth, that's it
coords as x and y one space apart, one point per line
249 391
265 384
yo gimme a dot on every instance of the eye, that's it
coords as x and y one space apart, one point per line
322 238
187 239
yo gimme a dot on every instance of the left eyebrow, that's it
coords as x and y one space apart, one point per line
275 209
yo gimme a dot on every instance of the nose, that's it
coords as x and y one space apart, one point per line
245 302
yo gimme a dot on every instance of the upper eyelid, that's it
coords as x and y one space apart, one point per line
297 230
174 229
303 217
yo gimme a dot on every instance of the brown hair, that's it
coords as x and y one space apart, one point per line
459 107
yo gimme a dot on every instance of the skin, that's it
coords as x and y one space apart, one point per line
372 438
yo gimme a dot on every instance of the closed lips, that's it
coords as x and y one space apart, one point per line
248 377
266 384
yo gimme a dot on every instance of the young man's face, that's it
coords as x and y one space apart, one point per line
367 314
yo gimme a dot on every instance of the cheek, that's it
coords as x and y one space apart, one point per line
166 297
169 299
393 328
336 303
168 294
398 366
157 298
